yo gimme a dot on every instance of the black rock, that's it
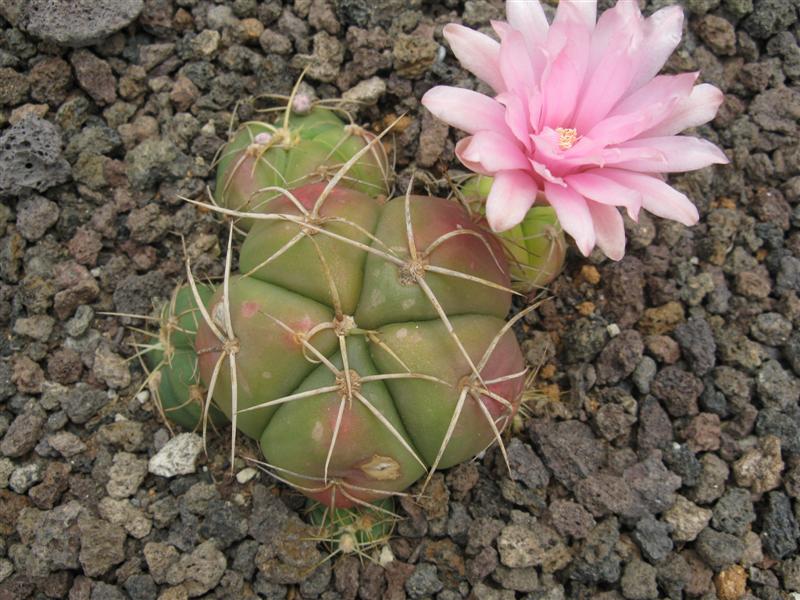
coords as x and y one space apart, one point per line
779 528
733 513
652 537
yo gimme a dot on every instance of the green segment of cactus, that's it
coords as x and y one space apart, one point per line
354 531
175 382
293 152
536 247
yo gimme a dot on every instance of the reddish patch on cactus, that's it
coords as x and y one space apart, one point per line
249 308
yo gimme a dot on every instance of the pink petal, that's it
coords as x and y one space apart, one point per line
573 214
612 24
605 87
501 28
493 152
659 90
512 194
516 117
594 186
515 64
609 229
699 108
461 146
657 197
577 11
527 17
465 109
679 153
662 34
621 128
478 53
562 80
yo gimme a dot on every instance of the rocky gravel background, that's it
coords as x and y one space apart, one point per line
661 453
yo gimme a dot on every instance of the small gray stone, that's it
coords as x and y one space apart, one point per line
697 344
24 477
733 512
72 23
102 545
653 539
199 571
22 435
125 475
639 581
178 456
776 387
526 466
718 549
424 581
35 215
31 158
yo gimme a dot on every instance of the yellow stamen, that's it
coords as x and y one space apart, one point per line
566 137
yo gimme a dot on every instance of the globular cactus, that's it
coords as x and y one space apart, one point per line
308 144
363 343
536 247
172 361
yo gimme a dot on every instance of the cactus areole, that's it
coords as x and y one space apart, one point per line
362 343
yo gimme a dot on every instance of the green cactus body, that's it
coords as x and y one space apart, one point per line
369 341
175 379
301 150
536 247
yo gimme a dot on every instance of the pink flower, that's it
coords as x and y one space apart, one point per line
580 116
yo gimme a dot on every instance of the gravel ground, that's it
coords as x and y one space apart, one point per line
662 455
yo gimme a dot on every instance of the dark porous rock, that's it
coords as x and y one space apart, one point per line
568 448
672 575
711 483
200 571
102 545
777 109
23 434
94 75
35 215
583 340
54 483
776 387
678 389
654 483
82 402
623 284
423 582
783 424
153 161
534 545
605 494
703 432
135 293
596 561
57 536
770 17
680 459
771 328
655 429
718 549
613 421
733 512
526 466
652 537
697 345
14 87
31 158
639 581
72 23
224 522
735 385
620 357
571 519
779 529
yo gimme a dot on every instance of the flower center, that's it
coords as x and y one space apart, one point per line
566 137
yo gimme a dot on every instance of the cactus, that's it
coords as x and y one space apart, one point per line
172 362
363 341
304 146
536 247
